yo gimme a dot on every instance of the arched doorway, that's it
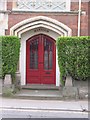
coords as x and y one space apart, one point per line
34 26
40 60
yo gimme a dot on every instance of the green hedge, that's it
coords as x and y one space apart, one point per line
10 54
0 57
73 54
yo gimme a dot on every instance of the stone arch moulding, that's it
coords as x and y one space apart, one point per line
23 29
40 21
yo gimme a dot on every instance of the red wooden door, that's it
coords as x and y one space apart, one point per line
40 60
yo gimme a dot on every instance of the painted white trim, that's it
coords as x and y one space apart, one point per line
25 37
25 30
3 23
23 62
38 26
68 3
57 71
79 17
3 17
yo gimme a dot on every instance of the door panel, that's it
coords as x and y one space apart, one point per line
40 60
32 55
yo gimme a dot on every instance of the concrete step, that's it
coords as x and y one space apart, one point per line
40 87
39 94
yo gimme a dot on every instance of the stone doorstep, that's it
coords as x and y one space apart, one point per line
49 92
46 94
40 87
43 93
39 96
64 93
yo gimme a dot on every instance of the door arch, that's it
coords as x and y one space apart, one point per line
40 60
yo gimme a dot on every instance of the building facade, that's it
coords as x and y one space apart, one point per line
38 24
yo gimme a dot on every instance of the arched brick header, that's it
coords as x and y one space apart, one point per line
40 21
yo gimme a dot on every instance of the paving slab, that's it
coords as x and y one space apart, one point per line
45 104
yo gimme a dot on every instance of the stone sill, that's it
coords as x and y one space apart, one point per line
46 12
22 11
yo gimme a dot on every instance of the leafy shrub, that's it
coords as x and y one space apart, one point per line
0 57
10 54
73 54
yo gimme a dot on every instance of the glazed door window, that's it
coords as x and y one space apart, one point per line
34 54
48 57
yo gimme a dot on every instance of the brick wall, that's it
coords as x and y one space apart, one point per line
70 19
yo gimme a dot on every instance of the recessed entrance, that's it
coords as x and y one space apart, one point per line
40 60
25 30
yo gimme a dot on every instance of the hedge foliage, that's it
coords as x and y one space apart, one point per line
10 54
0 57
73 54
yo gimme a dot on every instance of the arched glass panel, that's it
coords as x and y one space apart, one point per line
34 54
48 54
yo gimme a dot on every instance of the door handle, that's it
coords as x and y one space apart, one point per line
48 73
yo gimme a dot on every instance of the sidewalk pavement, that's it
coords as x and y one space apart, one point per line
78 106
